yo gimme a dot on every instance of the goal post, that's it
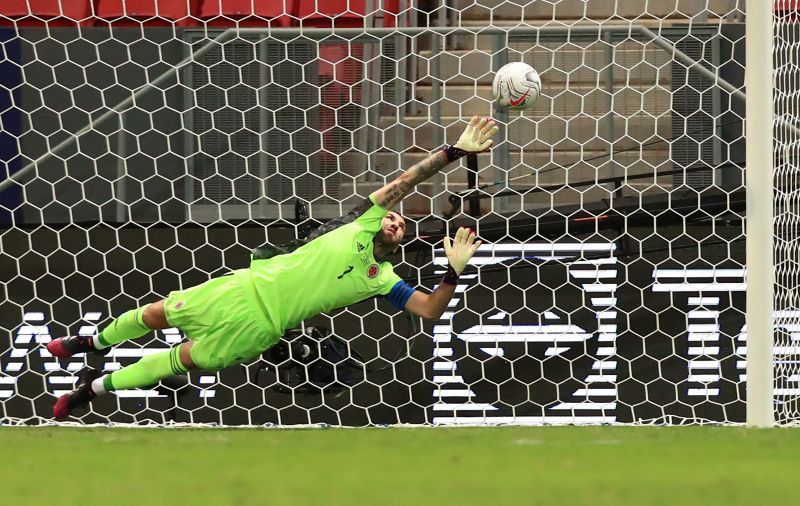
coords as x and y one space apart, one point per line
759 80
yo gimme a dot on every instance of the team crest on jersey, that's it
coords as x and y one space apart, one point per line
373 271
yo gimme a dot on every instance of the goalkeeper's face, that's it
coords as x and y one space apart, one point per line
393 229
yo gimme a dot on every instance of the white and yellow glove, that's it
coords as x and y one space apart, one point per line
461 250
477 137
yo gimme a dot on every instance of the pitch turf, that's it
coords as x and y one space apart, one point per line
487 466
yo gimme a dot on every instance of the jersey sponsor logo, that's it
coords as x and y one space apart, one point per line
178 305
346 271
360 246
373 271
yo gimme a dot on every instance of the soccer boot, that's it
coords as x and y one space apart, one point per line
65 347
79 397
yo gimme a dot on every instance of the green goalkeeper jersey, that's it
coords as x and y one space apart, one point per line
332 271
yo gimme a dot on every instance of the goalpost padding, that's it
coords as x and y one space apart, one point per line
610 290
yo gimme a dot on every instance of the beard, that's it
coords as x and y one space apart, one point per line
387 242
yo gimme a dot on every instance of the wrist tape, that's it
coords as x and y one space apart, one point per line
453 153
450 277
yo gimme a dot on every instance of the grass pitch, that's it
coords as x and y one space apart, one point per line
463 466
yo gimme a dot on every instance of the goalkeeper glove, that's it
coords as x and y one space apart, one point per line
463 247
477 137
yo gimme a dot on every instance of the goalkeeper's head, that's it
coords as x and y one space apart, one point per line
393 229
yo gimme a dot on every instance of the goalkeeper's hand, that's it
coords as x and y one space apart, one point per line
463 247
477 137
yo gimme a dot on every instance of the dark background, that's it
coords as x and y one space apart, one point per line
65 275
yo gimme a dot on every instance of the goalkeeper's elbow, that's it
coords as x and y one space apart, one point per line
429 313
429 316
426 312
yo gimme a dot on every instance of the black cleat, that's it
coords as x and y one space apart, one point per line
79 397
65 347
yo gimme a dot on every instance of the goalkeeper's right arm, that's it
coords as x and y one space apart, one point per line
432 305
477 138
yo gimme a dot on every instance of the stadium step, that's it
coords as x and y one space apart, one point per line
488 42
464 100
578 166
580 65
586 130
521 177
484 11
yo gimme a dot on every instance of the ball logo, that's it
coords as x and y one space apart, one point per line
373 271
517 101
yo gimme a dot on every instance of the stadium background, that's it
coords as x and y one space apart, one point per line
627 149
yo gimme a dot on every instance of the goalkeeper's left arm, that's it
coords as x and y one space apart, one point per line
477 138
432 305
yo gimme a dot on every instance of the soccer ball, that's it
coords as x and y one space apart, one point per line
516 86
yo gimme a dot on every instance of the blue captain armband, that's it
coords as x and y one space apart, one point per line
401 292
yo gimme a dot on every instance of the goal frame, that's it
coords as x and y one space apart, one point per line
760 220
760 122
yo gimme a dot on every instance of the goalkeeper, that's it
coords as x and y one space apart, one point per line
234 318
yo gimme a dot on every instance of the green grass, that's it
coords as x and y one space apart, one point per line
487 466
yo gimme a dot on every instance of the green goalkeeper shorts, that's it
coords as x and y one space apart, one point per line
223 318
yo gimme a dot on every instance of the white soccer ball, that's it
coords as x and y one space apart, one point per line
516 86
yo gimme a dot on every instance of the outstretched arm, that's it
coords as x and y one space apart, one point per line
477 138
432 305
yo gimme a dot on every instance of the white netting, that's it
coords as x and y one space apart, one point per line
787 204
152 151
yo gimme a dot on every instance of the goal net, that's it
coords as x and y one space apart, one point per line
147 152
786 200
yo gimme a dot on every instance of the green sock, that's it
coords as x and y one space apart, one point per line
129 325
146 372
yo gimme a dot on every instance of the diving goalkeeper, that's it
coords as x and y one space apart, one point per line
234 318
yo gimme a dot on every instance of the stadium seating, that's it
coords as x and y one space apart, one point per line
332 13
46 12
343 13
309 13
787 10
246 13
146 12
